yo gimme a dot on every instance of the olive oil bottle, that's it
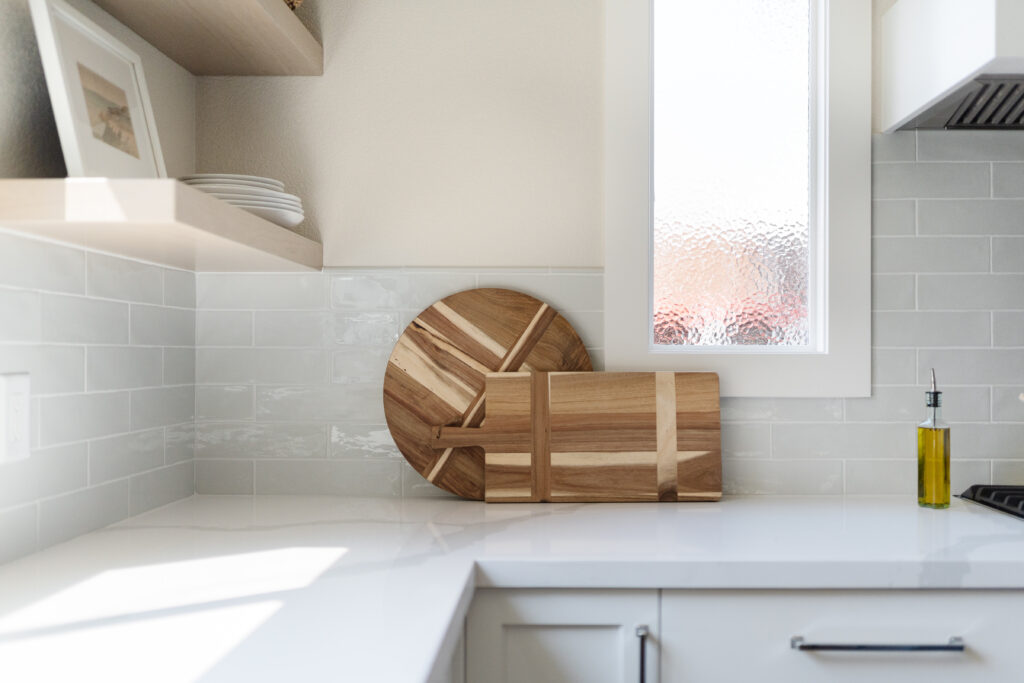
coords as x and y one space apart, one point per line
933 454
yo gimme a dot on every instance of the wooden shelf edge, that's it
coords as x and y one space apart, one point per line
160 220
224 37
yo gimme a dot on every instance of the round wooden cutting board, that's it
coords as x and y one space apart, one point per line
437 372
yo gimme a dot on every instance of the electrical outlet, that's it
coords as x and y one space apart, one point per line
15 420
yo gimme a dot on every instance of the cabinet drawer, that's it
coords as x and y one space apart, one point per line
743 635
561 636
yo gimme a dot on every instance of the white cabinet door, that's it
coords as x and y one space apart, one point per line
561 636
745 635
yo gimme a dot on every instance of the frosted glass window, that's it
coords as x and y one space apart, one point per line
733 148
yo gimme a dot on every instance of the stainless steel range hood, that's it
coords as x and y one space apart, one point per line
956 64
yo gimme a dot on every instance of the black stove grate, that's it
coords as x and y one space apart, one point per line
1008 499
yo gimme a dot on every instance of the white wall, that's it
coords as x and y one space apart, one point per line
453 132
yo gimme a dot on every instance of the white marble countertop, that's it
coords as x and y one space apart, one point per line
238 588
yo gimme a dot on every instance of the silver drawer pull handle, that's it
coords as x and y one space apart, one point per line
955 644
642 632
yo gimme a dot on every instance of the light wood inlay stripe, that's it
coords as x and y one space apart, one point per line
665 402
683 456
591 459
508 459
439 465
432 341
528 339
540 392
413 361
474 332
519 494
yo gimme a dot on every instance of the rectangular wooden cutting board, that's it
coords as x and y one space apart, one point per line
598 437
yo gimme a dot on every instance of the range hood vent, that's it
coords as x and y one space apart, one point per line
953 64
987 104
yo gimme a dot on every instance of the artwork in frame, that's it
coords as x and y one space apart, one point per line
99 97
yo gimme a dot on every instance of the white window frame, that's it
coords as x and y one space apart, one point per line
843 368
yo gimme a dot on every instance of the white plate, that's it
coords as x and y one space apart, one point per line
269 205
232 183
218 177
247 191
242 199
282 217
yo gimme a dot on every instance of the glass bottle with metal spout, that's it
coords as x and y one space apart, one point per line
933 454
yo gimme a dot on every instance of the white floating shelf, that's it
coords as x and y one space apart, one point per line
163 221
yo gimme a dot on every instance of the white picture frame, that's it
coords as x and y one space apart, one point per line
98 92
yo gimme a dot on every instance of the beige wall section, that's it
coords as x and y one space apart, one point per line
29 147
444 133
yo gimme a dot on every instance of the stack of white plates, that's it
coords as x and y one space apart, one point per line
264 197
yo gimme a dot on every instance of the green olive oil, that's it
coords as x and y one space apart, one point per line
933 454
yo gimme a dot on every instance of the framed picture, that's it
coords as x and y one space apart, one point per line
99 96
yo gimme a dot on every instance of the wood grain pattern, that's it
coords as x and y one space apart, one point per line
585 437
436 375
224 37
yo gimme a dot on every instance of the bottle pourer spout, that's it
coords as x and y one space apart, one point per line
933 380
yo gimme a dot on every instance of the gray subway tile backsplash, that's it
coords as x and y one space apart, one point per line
224 402
896 147
893 217
1008 180
970 292
157 487
109 277
53 369
258 440
272 291
970 217
1008 403
261 366
968 145
19 527
67 316
893 366
893 292
123 367
1008 254
1008 328
224 328
163 326
930 329
973 366
21 312
224 477
931 254
81 320
328 477
902 180
179 288
117 457
77 417
49 472
783 477
41 265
